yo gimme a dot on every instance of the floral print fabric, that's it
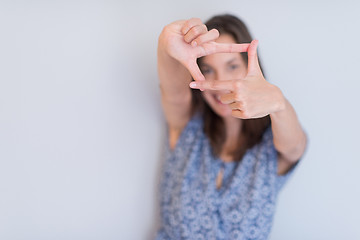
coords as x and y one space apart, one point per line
192 208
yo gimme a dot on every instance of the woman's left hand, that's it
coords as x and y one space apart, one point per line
250 97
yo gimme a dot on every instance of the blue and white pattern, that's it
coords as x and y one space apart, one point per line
192 207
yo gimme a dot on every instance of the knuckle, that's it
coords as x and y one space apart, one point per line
200 39
186 26
187 38
195 31
237 97
245 103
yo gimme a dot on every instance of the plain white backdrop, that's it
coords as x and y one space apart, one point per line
81 125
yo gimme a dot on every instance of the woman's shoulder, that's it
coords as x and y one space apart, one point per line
190 134
194 123
194 126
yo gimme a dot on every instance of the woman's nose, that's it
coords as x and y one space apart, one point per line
220 75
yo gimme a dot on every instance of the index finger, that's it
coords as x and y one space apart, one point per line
214 47
213 85
231 47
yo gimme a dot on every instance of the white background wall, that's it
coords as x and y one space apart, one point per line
81 125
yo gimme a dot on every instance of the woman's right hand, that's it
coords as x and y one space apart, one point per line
187 40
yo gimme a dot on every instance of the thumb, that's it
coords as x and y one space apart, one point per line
194 70
253 61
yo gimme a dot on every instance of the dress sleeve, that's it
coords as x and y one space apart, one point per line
272 158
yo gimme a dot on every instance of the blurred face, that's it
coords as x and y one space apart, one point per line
219 67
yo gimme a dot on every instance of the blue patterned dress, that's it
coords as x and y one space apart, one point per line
192 208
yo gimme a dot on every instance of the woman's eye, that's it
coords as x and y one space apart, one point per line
206 71
234 66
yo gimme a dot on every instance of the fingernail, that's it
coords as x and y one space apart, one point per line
194 43
193 85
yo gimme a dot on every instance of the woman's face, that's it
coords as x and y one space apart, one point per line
222 66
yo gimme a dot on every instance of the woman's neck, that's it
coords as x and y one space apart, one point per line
232 128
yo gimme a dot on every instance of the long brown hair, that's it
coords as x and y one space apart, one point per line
214 127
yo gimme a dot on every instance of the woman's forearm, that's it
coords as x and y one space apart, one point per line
174 77
289 137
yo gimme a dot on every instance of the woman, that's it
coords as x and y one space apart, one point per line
233 139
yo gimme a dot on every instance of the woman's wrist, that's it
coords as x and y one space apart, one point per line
164 58
281 104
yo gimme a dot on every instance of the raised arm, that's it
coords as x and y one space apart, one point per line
180 44
254 97
173 50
